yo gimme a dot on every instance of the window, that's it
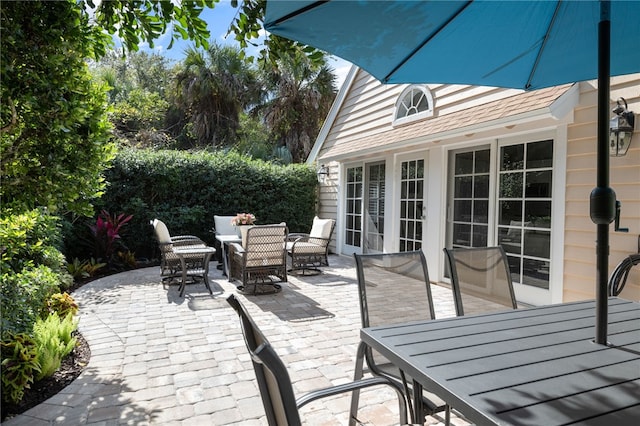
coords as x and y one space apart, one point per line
414 103
524 210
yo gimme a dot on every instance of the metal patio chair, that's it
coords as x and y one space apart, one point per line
310 251
280 404
480 280
261 262
394 288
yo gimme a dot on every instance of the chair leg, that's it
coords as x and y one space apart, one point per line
355 394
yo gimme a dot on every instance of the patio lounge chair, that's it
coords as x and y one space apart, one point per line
394 288
480 280
261 262
310 251
280 404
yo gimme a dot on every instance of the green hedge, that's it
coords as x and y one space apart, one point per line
186 189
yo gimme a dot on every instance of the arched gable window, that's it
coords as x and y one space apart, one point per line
414 103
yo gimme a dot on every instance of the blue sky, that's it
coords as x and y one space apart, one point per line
219 20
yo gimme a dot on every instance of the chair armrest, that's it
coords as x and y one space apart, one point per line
235 248
185 242
297 236
184 238
360 384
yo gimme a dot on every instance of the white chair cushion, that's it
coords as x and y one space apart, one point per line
223 225
162 233
321 228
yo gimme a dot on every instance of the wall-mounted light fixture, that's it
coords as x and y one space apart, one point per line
620 129
322 173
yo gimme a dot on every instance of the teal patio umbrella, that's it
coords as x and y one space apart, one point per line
516 44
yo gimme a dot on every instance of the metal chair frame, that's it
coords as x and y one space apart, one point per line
276 390
396 268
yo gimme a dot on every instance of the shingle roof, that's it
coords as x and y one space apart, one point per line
512 106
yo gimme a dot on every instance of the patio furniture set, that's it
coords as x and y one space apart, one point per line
255 255
494 363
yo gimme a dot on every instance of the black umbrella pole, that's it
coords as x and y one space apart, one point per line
603 198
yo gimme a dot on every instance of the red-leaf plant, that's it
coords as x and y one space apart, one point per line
106 233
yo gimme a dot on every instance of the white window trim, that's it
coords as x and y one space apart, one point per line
414 117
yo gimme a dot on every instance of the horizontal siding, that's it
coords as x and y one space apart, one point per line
328 200
580 232
368 108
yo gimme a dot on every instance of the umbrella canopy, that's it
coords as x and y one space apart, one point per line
517 44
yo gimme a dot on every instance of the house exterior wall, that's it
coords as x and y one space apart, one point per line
580 232
362 131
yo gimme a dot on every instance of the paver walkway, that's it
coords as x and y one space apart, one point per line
157 358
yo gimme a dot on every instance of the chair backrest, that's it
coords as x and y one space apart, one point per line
480 279
393 288
321 231
273 379
162 233
223 226
265 245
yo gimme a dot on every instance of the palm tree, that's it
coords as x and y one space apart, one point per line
300 96
213 88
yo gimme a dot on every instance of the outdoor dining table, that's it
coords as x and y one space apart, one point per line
537 366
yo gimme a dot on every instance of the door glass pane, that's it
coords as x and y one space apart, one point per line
511 185
539 154
464 163
538 184
512 157
463 188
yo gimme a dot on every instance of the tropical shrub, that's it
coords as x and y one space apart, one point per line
106 235
84 269
23 297
32 267
61 304
19 365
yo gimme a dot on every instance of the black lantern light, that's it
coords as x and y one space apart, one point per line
620 129
322 173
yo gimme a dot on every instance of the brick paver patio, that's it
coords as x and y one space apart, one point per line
157 358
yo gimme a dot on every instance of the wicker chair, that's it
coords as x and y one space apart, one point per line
310 251
261 262
170 264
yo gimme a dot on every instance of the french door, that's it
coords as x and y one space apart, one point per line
412 205
364 208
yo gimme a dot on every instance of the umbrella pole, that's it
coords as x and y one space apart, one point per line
603 198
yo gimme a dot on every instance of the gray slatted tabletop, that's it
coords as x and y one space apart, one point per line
525 367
